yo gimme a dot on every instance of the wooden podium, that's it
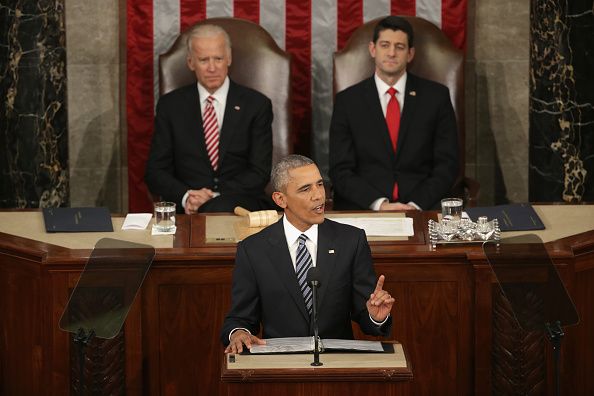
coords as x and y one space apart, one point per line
449 314
340 374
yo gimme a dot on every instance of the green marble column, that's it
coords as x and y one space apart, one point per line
561 101
33 124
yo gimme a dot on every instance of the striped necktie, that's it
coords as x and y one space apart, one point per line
303 263
211 132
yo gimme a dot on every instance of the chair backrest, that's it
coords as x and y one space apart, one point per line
257 62
435 59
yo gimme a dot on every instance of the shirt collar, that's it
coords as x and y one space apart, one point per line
292 233
382 87
220 94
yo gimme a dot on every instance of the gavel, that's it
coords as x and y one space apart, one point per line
260 218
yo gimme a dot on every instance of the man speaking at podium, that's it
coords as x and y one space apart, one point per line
269 287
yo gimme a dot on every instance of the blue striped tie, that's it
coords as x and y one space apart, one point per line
303 263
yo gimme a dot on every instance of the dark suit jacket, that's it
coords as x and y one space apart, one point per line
266 291
363 165
178 160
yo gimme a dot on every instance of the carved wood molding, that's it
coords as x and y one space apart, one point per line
518 360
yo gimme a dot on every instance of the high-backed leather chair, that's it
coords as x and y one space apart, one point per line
257 62
435 59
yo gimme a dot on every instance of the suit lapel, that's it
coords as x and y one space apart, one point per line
376 118
281 261
233 110
325 260
410 106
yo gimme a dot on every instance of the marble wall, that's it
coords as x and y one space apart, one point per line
33 126
562 101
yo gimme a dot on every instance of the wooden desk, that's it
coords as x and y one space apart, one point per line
449 315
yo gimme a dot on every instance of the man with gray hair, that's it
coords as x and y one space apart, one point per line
269 288
212 143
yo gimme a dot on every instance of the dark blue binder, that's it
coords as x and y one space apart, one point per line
512 217
77 220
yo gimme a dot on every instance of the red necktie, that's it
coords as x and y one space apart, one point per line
211 132
393 121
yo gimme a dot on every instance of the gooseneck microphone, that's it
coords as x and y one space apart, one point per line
313 280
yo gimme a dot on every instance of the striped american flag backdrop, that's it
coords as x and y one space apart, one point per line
310 30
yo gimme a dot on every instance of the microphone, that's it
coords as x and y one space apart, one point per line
313 280
313 277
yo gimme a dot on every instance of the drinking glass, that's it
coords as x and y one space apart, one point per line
451 209
164 216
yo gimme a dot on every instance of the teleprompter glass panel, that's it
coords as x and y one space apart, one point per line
530 282
107 287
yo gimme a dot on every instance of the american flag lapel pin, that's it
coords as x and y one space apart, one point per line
413 93
331 251
237 108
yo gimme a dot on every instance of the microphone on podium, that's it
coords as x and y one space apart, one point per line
313 280
313 277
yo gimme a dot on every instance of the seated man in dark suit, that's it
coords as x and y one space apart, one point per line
269 287
393 137
212 144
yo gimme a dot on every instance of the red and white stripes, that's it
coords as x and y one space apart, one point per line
211 132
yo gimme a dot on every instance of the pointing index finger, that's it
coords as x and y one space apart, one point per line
380 283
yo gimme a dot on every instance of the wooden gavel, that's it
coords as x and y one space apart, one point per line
260 218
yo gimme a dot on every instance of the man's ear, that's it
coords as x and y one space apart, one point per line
190 63
279 199
372 49
411 54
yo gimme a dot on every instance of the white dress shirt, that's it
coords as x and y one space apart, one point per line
311 243
219 103
384 96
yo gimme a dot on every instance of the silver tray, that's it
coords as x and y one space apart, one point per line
463 232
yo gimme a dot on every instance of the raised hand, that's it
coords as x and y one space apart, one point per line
380 302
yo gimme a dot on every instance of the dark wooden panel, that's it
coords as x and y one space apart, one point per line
320 389
518 362
185 309
509 360
104 359
22 370
432 320
581 352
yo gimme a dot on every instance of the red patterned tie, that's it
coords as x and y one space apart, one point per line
211 132
393 121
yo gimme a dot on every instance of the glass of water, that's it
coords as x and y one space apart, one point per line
164 216
451 209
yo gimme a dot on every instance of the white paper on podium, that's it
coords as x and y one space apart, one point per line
306 344
137 221
374 226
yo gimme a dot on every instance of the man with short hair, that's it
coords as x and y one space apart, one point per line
212 144
393 137
271 266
